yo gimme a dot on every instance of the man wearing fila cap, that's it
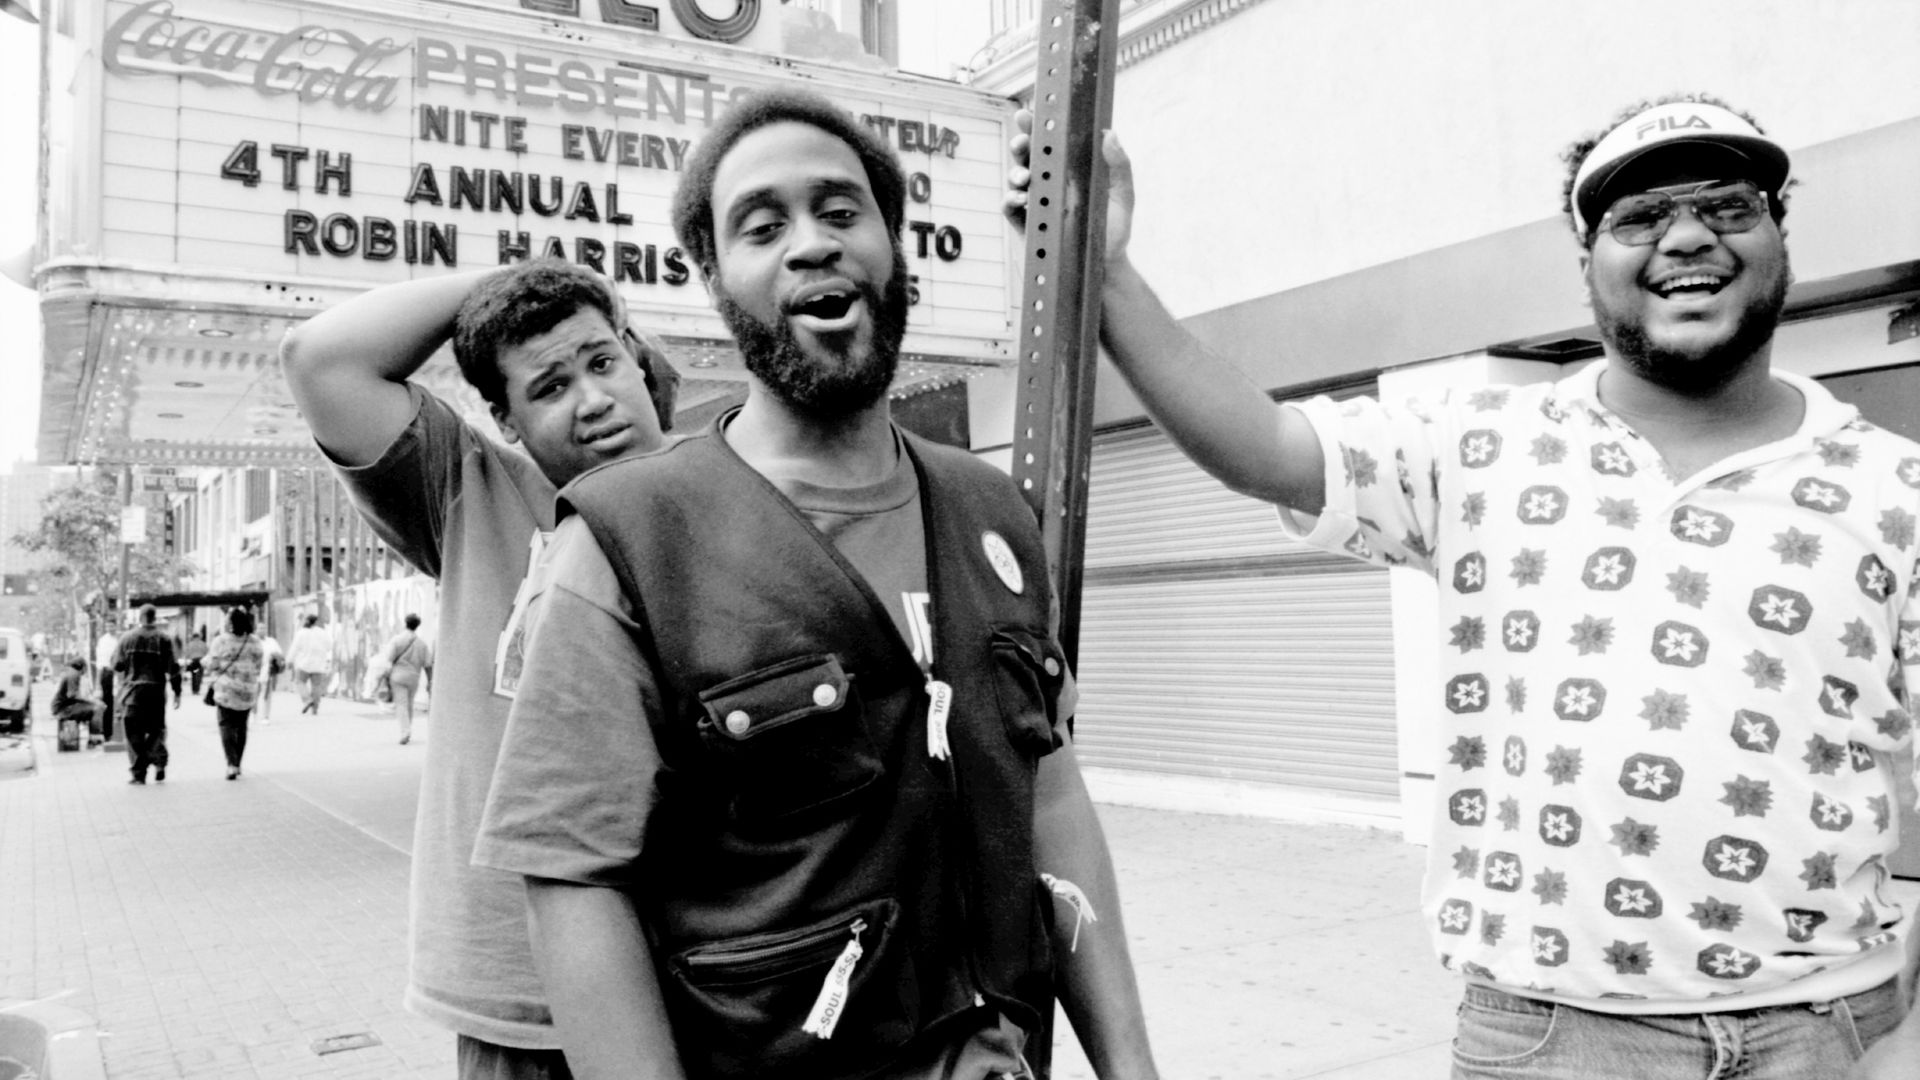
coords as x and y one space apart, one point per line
1677 621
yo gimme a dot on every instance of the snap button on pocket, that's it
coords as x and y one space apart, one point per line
738 721
825 695
1052 666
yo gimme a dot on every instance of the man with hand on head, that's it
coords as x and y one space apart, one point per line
547 346
790 774
1677 601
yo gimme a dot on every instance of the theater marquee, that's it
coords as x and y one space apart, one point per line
323 141
221 169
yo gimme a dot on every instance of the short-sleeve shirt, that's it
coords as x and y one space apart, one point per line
465 509
1666 706
576 780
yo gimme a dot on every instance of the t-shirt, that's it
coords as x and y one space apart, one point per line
463 508
1667 705
577 771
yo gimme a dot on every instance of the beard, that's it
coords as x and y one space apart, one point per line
846 384
1693 369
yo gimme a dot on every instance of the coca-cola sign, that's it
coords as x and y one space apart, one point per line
317 63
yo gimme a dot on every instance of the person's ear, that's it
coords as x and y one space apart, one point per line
507 429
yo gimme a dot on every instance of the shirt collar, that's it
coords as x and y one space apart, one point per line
1825 413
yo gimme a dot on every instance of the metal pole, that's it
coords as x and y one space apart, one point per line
1065 268
126 549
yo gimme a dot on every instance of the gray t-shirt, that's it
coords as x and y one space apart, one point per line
469 511
577 770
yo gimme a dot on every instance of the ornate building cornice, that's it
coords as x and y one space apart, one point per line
1005 65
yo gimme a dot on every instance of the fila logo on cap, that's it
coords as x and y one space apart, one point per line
1666 124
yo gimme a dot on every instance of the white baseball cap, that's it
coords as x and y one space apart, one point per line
1677 123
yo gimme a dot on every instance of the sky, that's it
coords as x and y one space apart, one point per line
19 317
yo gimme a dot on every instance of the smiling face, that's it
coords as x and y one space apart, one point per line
1694 308
807 276
575 397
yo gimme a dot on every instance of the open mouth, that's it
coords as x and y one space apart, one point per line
1698 284
827 311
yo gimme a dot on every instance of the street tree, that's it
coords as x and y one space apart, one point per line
80 531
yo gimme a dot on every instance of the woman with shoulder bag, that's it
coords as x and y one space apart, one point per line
234 660
410 657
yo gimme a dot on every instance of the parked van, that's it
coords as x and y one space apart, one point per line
16 680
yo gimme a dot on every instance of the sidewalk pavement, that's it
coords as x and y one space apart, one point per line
222 930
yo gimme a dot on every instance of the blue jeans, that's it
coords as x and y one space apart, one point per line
1514 1038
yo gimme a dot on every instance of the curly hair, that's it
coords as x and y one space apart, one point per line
1576 153
517 305
693 200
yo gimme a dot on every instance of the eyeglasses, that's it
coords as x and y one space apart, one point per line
1722 206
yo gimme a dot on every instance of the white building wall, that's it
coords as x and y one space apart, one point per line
1303 139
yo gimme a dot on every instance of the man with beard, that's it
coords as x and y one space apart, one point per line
1677 617
823 817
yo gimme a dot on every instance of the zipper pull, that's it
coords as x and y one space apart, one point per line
1076 899
939 705
833 992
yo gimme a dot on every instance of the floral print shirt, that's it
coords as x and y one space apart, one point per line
1667 705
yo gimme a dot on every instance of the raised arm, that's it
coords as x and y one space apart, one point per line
1206 404
1097 983
348 365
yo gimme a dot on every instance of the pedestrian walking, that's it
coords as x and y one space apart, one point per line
195 653
235 662
273 662
1678 619
790 772
311 657
103 649
144 667
547 345
408 657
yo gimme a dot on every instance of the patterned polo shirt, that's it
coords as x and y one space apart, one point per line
1667 707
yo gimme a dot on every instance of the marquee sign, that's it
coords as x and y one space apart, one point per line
330 141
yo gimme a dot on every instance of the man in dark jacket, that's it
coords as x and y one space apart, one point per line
144 666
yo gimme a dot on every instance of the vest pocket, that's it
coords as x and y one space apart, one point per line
1028 670
829 998
788 738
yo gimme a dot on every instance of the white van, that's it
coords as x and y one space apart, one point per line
16 680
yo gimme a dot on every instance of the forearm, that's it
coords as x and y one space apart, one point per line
600 982
1205 403
347 366
1091 958
388 331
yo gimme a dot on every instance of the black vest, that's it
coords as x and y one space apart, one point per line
799 807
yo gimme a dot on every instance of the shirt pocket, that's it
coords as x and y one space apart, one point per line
834 997
789 738
1028 672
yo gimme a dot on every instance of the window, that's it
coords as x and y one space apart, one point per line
259 493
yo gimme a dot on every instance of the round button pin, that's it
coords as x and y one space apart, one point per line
738 722
825 695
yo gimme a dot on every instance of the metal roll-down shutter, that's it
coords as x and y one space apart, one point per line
1211 647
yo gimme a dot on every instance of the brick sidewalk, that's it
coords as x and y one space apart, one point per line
217 930
213 929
